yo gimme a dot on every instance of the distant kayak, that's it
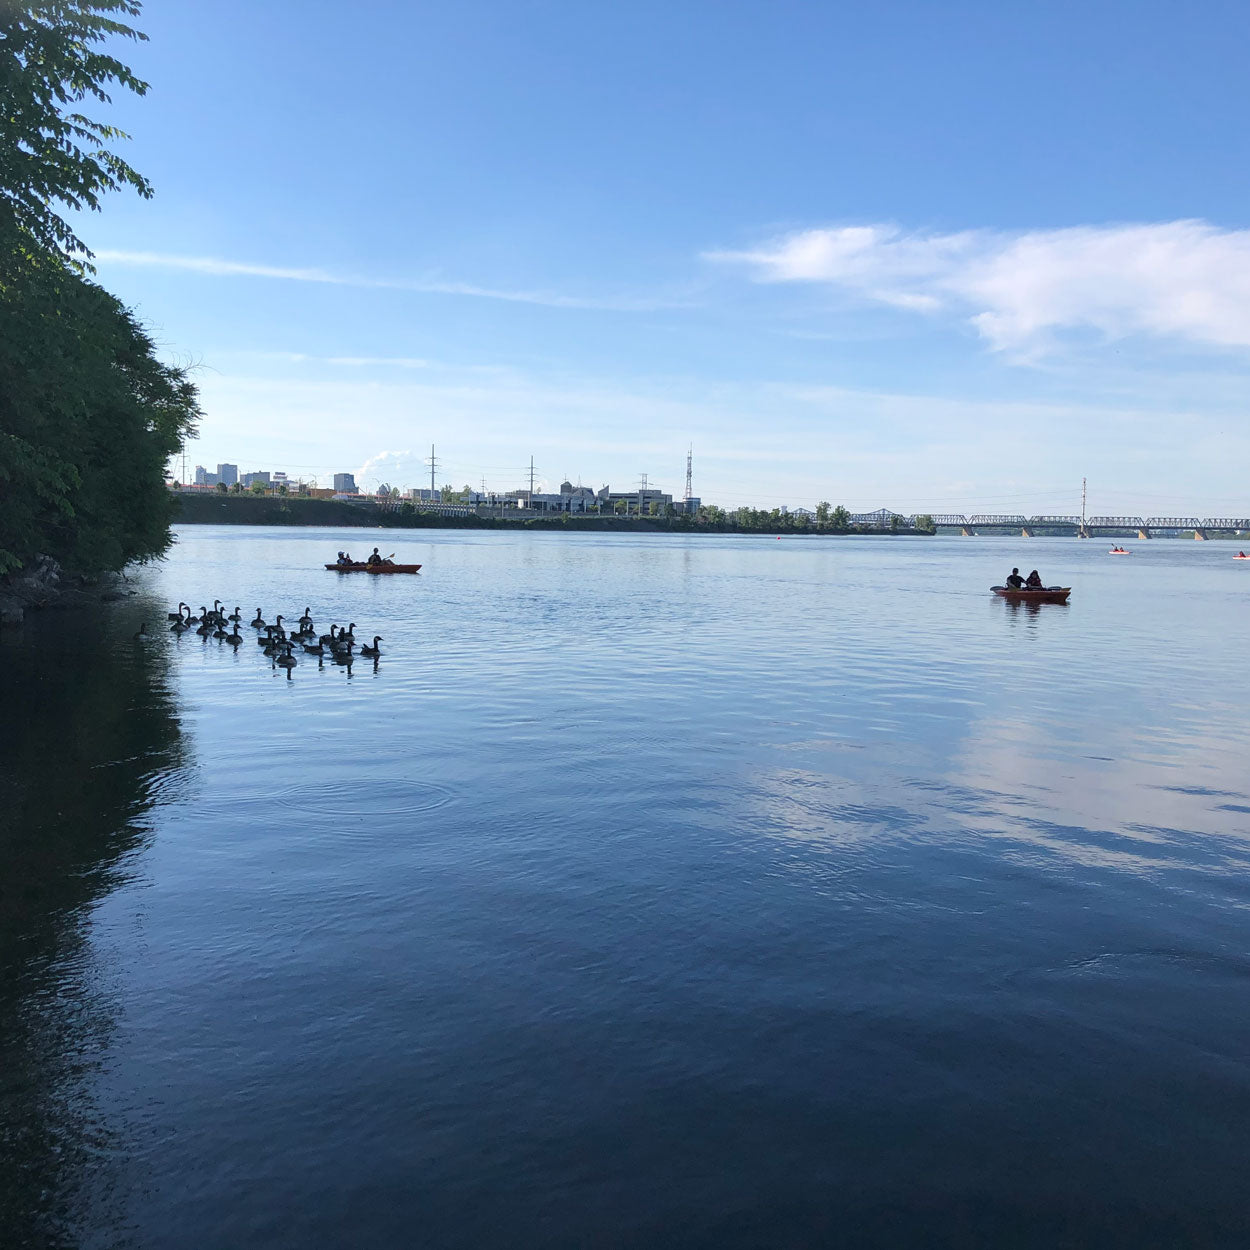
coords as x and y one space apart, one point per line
373 568
1119 551
1047 594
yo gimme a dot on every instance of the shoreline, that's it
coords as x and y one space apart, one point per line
293 512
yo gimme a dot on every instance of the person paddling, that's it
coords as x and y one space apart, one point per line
1015 581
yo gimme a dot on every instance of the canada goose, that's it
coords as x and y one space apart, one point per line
286 659
220 632
306 619
372 650
143 635
328 639
349 632
233 639
234 616
179 627
319 649
177 616
259 622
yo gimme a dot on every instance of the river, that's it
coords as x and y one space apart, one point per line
722 892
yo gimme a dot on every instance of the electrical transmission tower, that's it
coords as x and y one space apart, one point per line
642 490
689 475
531 479
433 465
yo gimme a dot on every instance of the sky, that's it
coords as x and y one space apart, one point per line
935 257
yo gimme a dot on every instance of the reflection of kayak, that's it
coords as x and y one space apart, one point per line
373 568
1047 594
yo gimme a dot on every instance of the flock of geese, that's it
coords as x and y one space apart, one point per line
275 641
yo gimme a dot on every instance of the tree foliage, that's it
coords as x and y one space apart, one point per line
53 156
89 415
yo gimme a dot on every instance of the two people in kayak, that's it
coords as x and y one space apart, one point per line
1032 582
375 558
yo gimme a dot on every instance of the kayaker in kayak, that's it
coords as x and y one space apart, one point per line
375 558
1014 581
1033 581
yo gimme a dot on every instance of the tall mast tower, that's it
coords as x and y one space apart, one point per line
433 465
689 474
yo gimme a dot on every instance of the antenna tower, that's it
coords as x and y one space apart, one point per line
689 473
531 479
642 487
433 463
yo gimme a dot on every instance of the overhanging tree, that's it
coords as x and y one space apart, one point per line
89 415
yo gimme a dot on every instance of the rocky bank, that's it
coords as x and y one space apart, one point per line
44 584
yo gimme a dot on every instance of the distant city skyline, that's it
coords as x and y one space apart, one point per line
896 255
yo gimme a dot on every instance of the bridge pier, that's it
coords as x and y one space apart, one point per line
1200 535
1143 534
1026 532
965 532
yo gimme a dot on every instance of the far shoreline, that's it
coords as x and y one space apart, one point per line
292 511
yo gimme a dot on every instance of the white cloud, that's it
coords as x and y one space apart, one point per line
1186 280
386 466
216 267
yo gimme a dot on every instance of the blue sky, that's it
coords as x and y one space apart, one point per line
942 257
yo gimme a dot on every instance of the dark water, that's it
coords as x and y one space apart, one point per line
722 892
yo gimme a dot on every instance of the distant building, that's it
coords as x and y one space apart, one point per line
345 484
422 494
261 476
648 502
228 473
204 478
281 479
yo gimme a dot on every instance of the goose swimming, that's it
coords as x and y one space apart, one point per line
372 650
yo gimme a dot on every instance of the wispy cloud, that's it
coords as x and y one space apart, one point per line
1186 280
217 267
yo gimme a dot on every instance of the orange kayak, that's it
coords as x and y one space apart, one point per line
1047 594
373 568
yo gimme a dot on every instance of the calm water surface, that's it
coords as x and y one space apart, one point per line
649 891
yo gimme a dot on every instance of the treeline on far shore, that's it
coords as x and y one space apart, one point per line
246 509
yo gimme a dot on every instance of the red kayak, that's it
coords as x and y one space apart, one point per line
1047 594
373 568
